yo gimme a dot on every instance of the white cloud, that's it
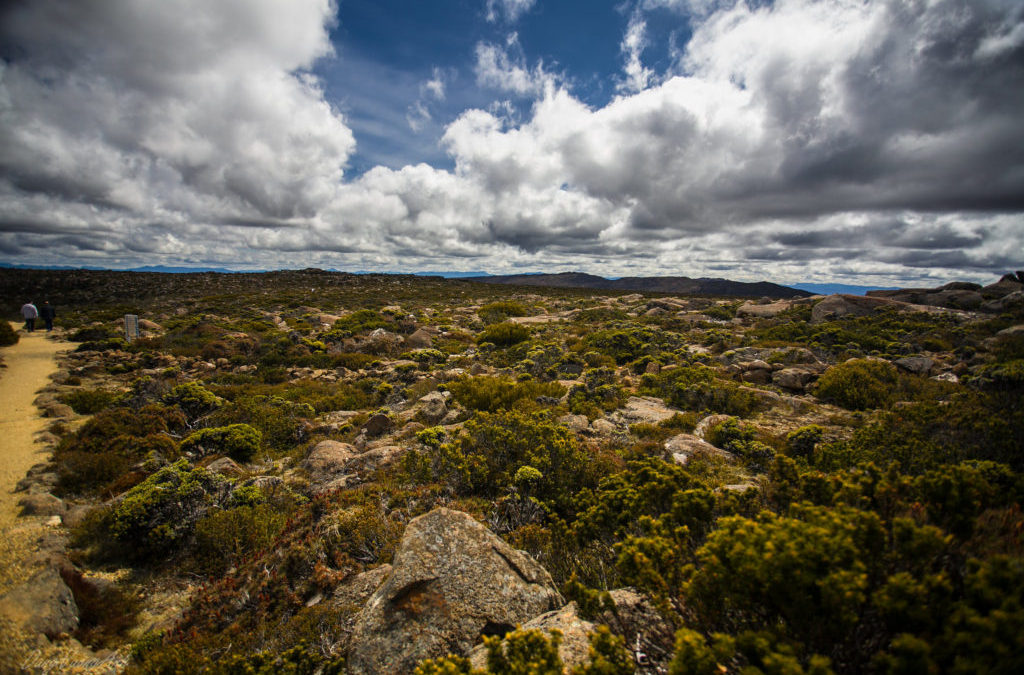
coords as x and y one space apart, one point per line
788 140
509 10
633 44
209 118
504 68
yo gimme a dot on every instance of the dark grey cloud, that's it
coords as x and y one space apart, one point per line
877 139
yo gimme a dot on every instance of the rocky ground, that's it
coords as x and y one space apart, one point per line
380 471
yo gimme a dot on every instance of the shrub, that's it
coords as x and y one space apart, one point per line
802 441
224 537
157 517
8 336
89 401
238 441
496 312
504 334
193 399
859 384
491 394
485 458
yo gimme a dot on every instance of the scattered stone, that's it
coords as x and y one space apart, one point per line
43 604
919 365
574 649
328 458
763 310
704 426
420 339
838 306
225 466
685 446
643 409
603 427
577 423
377 425
433 407
453 582
42 504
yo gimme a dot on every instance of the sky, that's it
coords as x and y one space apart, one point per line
876 142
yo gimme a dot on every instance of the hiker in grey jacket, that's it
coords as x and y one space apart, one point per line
29 311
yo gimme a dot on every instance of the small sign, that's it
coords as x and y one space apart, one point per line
131 327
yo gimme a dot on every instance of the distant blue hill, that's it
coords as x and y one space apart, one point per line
848 289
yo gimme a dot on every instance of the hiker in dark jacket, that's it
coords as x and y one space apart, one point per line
47 313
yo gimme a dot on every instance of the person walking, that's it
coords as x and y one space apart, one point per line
29 311
47 313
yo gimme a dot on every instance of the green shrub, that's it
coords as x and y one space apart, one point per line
490 394
487 455
240 442
194 399
157 517
859 384
224 537
8 336
89 401
496 312
801 442
280 421
504 334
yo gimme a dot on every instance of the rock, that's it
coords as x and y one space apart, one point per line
453 581
705 425
757 376
643 409
919 365
652 368
42 504
603 427
837 306
1006 285
366 463
574 649
43 604
1008 301
947 377
649 637
225 466
433 407
768 310
1012 330
420 339
793 379
354 591
576 423
377 425
328 458
685 446
955 298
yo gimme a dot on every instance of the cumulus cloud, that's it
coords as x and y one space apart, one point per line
797 140
504 67
179 112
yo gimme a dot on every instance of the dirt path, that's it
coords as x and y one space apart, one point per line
29 365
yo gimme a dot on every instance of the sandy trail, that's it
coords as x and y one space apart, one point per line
29 365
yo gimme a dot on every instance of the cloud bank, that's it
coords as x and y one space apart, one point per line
799 140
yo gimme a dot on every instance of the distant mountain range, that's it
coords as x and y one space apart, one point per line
685 285
703 286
